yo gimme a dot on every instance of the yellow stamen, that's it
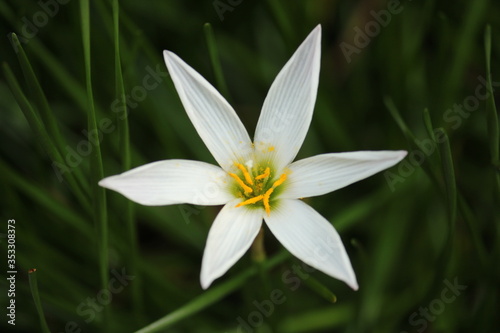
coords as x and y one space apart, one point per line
256 184
246 174
280 181
246 188
266 174
250 201
265 200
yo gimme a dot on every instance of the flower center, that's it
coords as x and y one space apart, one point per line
258 188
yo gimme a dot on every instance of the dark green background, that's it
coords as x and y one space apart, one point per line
407 240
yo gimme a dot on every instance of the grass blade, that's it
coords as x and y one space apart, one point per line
42 106
464 44
493 131
279 11
320 289
460 202
96 169
123 129
209 297
399 120
327 319
491 112
40 131
428 124
36 299
215 60
45 199
40 100
449 178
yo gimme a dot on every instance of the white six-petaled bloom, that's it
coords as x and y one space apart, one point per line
257 180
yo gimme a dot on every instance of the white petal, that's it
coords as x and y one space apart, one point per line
288 108
215 120
325 173
311 238
172 182
230 236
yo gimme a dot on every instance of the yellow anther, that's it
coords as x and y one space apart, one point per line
280 181
250 201
265 200
266 174
246 188
246 174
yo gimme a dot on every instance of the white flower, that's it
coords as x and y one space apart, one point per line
257 180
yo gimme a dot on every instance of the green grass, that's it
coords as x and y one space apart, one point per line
411 232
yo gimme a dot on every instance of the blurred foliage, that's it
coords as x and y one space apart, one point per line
431 222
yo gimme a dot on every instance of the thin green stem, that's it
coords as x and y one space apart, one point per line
258 250
259 256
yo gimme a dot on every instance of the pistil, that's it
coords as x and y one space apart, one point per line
266 174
